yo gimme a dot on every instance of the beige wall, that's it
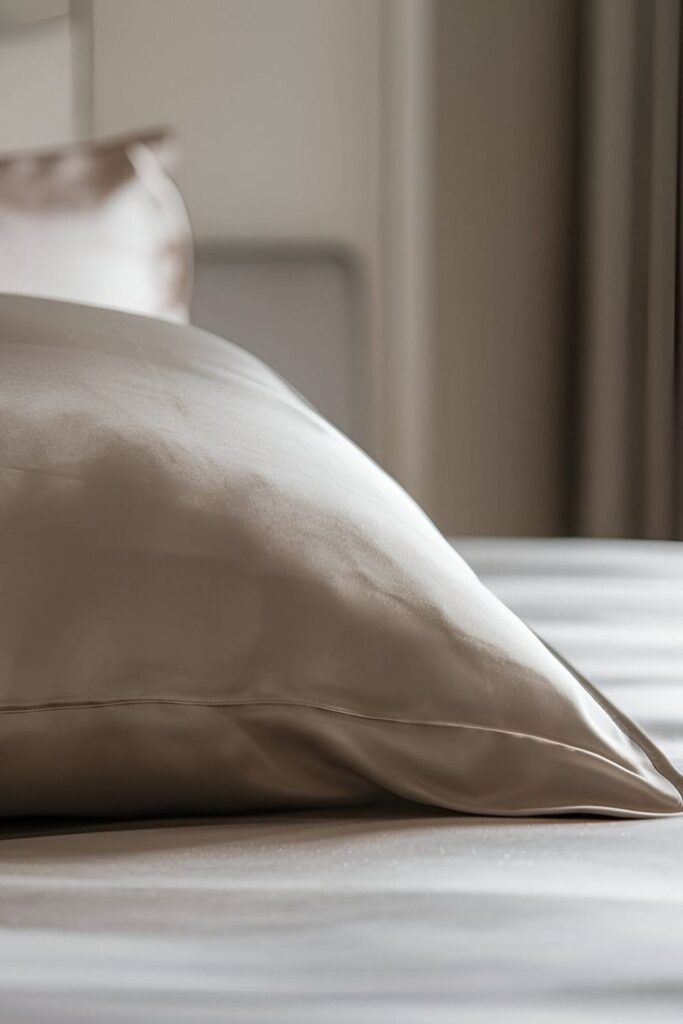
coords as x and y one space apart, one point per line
276 102
36 103
504 237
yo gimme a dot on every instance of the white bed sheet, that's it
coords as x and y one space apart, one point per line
370 916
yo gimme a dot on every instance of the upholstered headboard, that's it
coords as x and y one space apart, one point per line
300 309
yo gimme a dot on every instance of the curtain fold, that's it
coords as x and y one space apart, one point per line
629 456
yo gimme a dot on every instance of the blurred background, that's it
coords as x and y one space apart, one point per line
453 224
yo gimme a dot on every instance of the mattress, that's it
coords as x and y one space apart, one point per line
384 916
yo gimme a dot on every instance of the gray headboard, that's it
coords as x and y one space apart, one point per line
300 309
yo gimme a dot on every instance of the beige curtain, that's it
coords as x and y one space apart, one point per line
628 455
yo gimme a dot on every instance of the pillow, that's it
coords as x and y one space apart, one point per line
97 222
211 601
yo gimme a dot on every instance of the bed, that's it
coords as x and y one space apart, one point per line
391 916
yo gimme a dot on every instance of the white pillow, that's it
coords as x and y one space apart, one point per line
97 222
211 601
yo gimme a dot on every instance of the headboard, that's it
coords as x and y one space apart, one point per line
298 307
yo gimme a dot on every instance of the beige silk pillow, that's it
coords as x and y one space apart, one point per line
211 601
97 222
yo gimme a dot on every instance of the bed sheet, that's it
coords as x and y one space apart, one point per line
384 916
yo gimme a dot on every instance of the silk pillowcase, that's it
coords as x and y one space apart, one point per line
211 601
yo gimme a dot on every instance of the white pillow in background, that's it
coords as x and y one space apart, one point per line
100 223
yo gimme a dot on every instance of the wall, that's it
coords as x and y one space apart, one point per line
276 104
36 106
503 252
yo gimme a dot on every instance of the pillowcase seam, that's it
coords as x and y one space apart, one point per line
225 705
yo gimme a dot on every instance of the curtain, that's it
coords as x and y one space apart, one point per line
626 438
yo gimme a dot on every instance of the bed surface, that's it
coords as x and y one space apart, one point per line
385 917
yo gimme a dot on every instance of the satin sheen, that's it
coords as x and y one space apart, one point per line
211 601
